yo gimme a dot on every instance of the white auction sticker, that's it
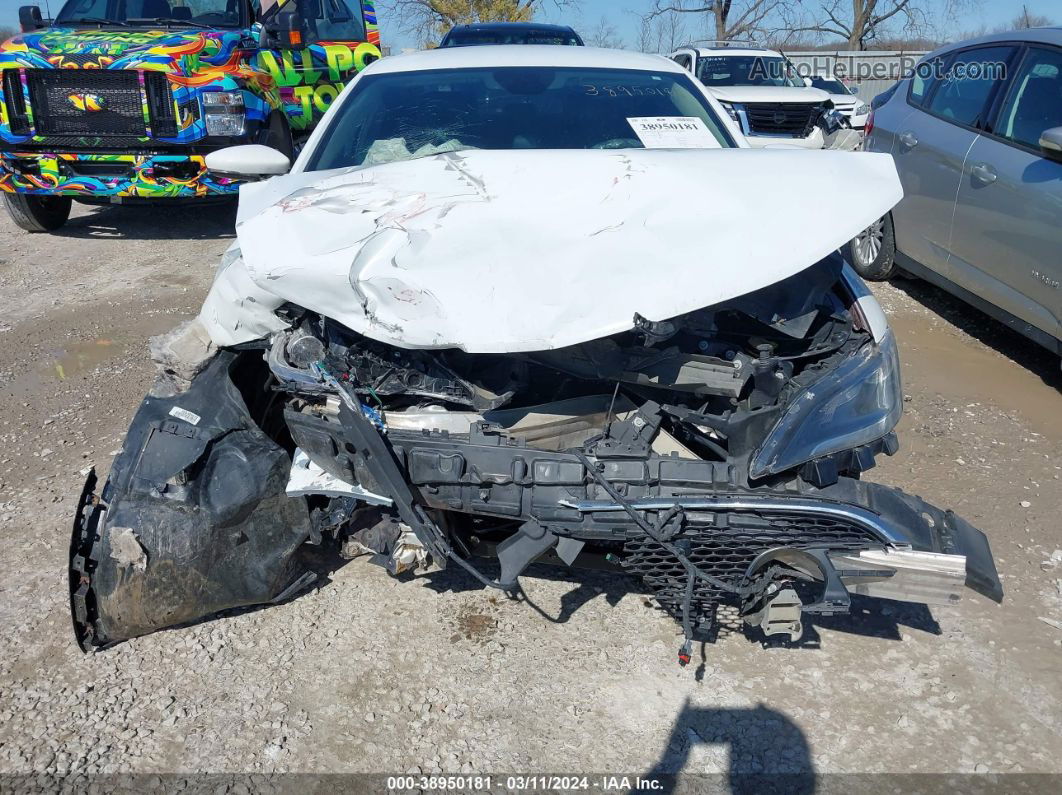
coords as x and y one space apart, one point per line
185 414
673 132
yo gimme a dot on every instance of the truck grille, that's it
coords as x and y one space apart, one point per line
793 119
727 550
101 104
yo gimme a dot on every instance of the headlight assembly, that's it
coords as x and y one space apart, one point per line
223 112
859 402
730 109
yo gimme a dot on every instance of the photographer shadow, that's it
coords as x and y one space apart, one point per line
766 750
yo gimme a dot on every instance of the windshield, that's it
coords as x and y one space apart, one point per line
746 70
400 116
829 85
131 13
471 38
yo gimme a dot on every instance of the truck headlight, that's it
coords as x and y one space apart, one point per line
859 402
223 112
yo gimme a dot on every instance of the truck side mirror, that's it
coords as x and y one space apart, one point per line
1051 143
286 30
30 19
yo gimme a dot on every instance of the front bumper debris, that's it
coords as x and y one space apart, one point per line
193 518
202 512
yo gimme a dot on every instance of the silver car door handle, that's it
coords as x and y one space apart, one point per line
983 172
909 140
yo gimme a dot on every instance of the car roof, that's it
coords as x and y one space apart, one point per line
1048 35
510 26
739 51
524 55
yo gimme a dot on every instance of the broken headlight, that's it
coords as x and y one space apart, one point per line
223 112
859 402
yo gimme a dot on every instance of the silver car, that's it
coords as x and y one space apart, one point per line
976 134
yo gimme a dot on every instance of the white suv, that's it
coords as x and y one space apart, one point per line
761 91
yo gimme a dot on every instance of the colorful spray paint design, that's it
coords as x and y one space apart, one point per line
121 176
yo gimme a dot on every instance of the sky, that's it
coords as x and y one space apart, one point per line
623 16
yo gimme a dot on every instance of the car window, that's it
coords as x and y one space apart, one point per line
683 61
968 83
326 20
1035 101
747 70
926 75
402 115
830 85
203 12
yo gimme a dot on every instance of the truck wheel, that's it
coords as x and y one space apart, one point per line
873 252
38 213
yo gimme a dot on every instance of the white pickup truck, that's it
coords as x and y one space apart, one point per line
761 91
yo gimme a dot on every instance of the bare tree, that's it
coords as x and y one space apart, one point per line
660 33
859 22
728 20
1026 20
603 34
429 19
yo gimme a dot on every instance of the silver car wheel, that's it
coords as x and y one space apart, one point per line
868 243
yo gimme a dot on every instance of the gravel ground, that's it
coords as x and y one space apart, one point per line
365 673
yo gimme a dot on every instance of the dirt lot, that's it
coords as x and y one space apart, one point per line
368 674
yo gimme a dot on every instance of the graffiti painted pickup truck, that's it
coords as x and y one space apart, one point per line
120 101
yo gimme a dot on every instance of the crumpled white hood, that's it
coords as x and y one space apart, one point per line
492 251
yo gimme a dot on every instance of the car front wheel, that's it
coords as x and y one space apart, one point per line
873 251
37 213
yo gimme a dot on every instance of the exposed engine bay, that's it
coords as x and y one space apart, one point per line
715 455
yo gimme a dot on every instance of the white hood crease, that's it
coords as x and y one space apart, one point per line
505 251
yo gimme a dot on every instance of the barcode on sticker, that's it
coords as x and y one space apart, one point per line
185 414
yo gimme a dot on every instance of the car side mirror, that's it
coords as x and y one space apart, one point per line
30 19
808 83
248 161
1051 143
853 89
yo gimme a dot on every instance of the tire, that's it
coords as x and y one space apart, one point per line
278 136
38 213
873 252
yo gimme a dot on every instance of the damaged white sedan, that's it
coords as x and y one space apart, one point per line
528 304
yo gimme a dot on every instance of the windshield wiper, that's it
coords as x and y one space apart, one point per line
91 21
183 23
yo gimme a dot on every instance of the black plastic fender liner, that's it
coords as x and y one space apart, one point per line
193 518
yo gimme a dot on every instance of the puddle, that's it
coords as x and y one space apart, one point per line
79 358
964 370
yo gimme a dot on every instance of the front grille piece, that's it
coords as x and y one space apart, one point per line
793 119
17 117
726 550
160 105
